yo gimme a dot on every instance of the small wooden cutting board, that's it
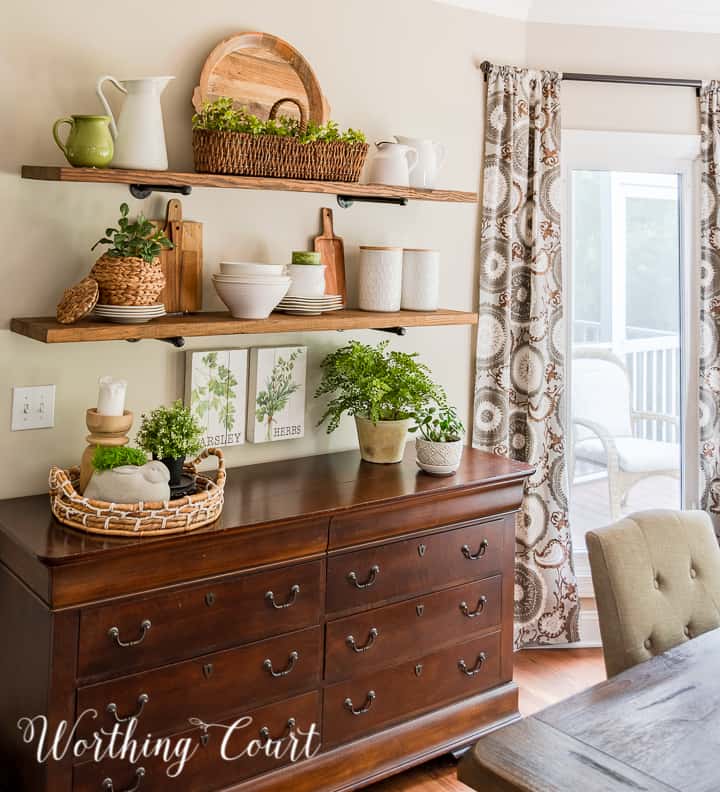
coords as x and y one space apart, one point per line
332 255
183 264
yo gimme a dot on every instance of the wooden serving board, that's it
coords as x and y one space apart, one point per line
183 264
257 69
332 254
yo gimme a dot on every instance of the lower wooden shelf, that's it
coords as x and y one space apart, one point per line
48 330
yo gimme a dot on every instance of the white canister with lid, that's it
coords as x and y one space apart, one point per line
420 279
380 278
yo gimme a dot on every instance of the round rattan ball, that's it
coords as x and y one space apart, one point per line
128 281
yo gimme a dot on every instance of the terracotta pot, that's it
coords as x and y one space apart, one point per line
431 455
128 281
382 442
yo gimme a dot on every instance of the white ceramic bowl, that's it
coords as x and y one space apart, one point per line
250 268
308 280
251 278
250 300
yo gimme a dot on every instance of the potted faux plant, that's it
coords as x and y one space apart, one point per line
439 443
170 434
124 475
382 389
129 271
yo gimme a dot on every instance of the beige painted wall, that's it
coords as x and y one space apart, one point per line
405 66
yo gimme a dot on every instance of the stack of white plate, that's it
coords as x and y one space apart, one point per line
311 306
250 290
129 314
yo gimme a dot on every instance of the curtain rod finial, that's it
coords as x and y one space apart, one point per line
484 67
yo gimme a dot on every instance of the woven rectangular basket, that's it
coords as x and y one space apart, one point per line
243 154
139 519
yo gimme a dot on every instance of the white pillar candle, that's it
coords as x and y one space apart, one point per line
111 399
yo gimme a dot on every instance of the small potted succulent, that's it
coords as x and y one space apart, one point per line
170 434
124 475
383 390
439 443
129 271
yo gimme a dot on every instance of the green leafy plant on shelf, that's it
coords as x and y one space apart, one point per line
439 423
138 239
109 457
170 432
216 393
279 387
374 383
221 116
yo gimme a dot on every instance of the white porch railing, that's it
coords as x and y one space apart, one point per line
653 363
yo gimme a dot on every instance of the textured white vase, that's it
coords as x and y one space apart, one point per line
380 278
420 279
439 455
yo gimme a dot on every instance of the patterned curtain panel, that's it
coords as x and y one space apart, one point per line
520 370
710 301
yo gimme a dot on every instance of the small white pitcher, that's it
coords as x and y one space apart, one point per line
431 156
392 164
139 133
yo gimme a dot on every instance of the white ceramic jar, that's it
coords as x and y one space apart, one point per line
420 279
380 278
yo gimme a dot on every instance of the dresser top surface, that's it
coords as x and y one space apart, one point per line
274 492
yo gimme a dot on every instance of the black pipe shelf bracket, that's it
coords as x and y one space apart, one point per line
177 341
142 191
398 331
346 201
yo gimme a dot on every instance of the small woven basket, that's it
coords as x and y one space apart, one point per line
128 281
139 519
242 154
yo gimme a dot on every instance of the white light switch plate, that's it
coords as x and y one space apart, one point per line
33 408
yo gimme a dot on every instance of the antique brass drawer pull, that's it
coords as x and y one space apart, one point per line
374 572
265 735
292 662
107 784
479 608
114 633
372 635
476 668
365 707
143 699
294 591
474 556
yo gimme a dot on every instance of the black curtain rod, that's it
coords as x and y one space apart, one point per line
618 78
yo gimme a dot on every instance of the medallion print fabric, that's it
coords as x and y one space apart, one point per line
520 368
710 301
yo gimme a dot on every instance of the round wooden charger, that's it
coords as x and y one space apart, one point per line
77 301
257 69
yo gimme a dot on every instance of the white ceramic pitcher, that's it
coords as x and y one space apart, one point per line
392 164
139 134
431 156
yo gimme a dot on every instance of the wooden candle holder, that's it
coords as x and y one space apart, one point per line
105 430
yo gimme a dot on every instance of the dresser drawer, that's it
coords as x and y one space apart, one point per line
414 566
358 643
198 619
207 770
208 686
363 705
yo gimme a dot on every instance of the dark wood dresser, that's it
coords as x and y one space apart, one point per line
371 600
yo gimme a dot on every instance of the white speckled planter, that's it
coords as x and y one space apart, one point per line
445 455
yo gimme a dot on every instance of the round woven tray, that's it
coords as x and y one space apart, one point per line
139 519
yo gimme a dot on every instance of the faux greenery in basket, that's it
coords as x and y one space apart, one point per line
139 239
222 116
382 389
170 434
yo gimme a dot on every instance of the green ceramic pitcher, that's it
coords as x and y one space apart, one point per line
89 143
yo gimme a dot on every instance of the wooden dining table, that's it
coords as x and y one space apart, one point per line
652 728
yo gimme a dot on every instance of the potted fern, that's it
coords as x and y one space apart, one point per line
381 389
439 443
170 434
129 271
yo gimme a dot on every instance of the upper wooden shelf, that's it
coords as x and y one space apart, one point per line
50 331
178 179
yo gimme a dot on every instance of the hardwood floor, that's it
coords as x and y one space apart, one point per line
544 676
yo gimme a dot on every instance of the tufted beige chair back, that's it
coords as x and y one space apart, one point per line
656 576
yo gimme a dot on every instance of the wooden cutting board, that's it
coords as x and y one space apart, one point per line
183 264
332 254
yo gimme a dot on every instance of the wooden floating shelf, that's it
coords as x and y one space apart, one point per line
178 179
48 330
